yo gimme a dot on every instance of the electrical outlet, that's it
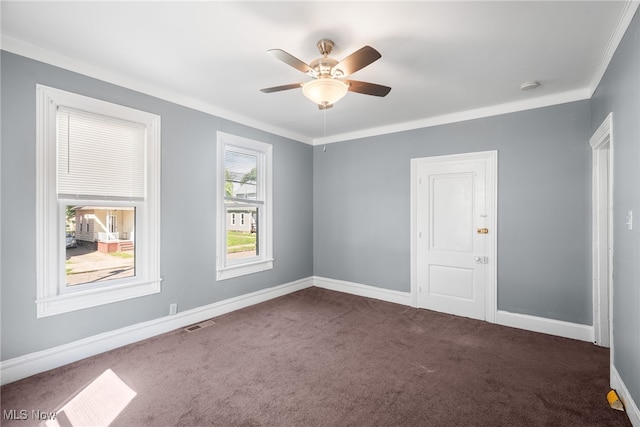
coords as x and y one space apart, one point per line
173 308
630 220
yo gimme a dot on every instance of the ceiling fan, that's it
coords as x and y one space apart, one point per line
328 86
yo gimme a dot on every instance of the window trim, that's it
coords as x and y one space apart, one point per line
264 261
50 248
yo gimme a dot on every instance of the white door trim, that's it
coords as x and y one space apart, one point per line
602 234
491 158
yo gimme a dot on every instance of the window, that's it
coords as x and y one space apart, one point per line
244 189
98 175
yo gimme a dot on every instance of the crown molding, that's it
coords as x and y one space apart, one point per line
38 53
630 8
478 113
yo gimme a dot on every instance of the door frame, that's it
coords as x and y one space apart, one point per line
602 234
491 163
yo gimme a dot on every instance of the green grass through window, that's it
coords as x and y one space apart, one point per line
238 241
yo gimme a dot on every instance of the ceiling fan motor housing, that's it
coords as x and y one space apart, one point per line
324 65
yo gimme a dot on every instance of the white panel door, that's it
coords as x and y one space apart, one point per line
453 210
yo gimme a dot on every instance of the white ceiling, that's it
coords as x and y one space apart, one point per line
445 61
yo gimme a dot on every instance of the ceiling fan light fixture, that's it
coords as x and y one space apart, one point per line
325 91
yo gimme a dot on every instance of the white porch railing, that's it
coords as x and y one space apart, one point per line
108 237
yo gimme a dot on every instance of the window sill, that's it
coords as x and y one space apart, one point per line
64 303
244 269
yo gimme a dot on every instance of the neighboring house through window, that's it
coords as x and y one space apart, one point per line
244 188
98 166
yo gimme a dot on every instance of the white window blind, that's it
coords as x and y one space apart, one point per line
99 157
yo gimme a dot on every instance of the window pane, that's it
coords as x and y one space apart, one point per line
100 244
242 236
241 175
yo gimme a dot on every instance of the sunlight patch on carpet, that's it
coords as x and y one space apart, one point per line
98 404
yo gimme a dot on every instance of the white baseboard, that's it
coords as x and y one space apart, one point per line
545 326
33 363
505 318
630 406
359 289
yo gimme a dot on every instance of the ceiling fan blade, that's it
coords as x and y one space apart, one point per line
368 88
356 61
283 87
289 59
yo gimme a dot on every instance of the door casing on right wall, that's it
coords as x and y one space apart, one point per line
602 225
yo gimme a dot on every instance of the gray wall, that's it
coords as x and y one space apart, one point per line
187 214
362 216
619 92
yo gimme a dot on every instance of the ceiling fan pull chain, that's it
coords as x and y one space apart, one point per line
324 115
324 149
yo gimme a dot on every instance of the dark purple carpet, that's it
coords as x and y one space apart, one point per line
322 358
